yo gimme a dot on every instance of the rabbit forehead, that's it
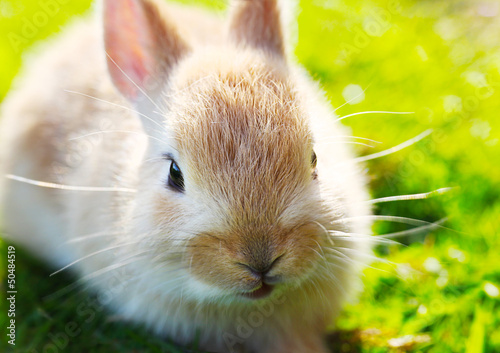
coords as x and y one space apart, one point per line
242 133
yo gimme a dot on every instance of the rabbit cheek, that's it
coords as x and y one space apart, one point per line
303 252
166 211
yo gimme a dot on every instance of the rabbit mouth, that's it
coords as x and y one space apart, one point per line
263 291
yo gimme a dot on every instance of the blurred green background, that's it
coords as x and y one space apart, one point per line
439 290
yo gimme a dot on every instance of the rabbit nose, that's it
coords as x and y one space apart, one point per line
258 270
262 270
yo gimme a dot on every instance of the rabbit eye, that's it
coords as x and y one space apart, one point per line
314 162
175 178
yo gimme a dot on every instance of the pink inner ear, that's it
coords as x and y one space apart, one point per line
128 43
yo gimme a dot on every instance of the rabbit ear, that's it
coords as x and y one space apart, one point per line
141 47
257 23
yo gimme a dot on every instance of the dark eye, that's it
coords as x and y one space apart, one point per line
175 178
314 162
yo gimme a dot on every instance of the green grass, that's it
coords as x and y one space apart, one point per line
436 292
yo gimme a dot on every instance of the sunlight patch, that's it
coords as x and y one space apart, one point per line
353 94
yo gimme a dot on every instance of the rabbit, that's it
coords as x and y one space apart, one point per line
190 172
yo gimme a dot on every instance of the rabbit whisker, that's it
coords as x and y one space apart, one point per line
396 219
355 237
117 105
66 187
394 149
354 98
326 232
93 254
350 142
419 196
132 81
317 252
118 131
373 112
364 255
430 226
348 137
91 236
359 263
339 255
132 259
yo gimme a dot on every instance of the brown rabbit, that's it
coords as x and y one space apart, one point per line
198 162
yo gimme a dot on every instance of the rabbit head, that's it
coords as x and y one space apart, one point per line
229 193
